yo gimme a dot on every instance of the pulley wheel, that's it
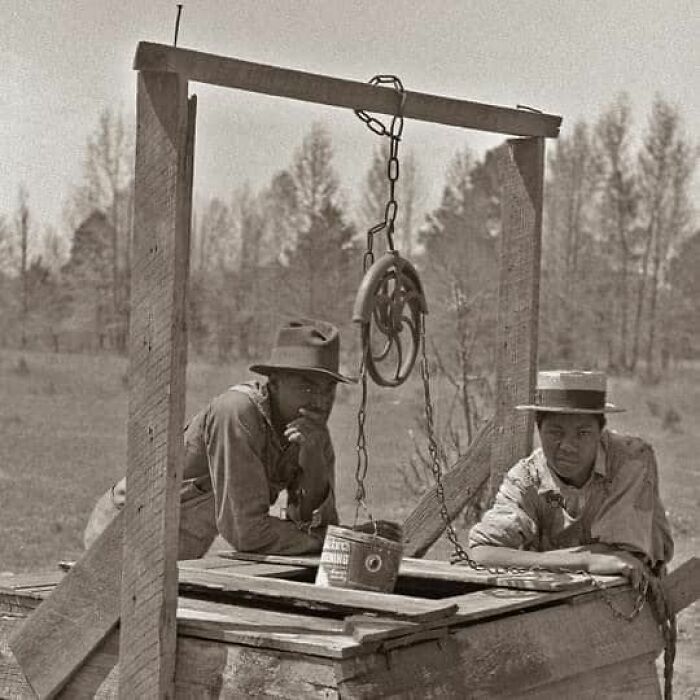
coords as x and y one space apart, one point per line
390 304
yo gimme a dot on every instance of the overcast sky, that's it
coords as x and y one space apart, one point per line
64 61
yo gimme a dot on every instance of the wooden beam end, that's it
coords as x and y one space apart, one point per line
151 56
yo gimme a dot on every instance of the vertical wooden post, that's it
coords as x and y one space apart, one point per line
158 355
521 168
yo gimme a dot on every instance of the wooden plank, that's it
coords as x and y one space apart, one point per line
308 644
682 585
242 616
13 683
510 656
205 669
270 629
505 657
320 89
340 599
158 356
216 562
305 560
631 678
16 582
490 602
368 628
424 525
550 644
75 618
520 164
249 568
535 580
431 569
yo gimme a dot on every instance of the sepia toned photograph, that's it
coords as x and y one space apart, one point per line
349 349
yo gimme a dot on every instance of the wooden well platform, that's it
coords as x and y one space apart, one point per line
255 626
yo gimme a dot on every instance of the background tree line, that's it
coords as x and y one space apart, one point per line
619 287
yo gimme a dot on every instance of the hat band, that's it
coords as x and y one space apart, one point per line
303 357
570 398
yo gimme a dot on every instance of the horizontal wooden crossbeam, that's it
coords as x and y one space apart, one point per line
321 89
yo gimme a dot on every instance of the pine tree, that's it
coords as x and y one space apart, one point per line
320 269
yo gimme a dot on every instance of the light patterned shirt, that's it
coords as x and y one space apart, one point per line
619 505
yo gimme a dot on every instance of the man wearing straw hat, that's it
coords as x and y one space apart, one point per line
588 499
254 441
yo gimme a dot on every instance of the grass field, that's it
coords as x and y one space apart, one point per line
63 442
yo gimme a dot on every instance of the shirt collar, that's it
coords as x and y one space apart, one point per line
259 394
600 467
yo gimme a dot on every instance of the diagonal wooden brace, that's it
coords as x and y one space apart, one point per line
82 610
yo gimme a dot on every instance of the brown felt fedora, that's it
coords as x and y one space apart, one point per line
305 345
571 391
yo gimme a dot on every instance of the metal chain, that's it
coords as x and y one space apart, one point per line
392 168
666 620
460 555
648 583
361 446
391 209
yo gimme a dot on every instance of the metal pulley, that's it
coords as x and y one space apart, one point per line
389 305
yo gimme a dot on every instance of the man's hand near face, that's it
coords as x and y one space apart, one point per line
309 433
307 429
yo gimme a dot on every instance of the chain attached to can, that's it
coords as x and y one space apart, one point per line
387 225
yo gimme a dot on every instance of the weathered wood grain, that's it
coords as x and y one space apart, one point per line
342 600
249 568
205 669
157 362
434 570
508 657
62 631
226 671
633 679
682 585
18 582
520 164
551 651
294 84
306 560
536 581
13 683
556 651
425 524
270 629
368 628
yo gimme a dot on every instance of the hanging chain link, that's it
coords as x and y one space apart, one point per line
361 446
394 133
666 619
460 554
387 224
649 588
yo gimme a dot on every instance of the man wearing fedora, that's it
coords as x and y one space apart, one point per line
254 441
587 499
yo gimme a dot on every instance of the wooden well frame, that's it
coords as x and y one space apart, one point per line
140 588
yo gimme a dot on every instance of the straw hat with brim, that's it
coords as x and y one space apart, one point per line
305 345
571 391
